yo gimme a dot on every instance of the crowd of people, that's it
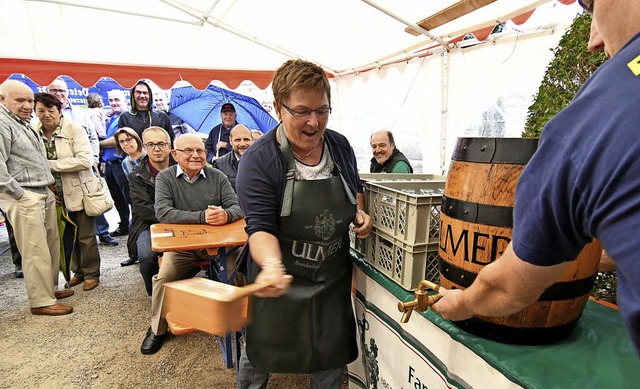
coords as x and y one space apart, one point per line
157 170
75 139
298 243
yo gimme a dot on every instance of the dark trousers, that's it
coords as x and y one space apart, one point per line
15 254
119 189
148 259
85 261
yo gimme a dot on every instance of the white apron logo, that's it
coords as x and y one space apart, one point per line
325 225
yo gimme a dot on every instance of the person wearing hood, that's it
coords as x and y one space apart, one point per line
386 157
142 115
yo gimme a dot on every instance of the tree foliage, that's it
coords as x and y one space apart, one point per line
571 66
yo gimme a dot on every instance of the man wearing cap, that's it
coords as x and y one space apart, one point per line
217 143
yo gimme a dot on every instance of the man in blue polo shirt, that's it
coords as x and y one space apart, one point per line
114 175
583 183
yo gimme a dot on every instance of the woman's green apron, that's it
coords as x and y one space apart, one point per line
311 328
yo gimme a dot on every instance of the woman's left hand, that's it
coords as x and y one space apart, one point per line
362 225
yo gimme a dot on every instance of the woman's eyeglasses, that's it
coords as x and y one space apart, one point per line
320 112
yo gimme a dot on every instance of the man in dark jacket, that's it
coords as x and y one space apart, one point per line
142 184
142 116
240 139
217 144
386 157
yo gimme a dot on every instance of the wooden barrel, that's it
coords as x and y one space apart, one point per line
476 227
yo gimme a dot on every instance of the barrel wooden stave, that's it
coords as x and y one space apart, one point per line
482 182
481 194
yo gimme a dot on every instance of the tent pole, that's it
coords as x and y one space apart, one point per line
406 22
80 5
444 110
224 26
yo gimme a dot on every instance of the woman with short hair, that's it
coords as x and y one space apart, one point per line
69 152
129 143
305 325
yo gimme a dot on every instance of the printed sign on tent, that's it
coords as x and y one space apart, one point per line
77 93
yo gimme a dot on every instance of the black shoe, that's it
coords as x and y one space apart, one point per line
108 240
122 230
151 343
129 262
18 272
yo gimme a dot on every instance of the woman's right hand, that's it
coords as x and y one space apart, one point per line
273 274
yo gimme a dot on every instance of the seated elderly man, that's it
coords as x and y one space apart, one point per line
189 192
240 139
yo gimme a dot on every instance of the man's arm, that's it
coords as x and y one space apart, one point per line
108 143
92 136
210 146
8 184
503 287
142 201
230 200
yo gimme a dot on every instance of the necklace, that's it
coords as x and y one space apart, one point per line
299 158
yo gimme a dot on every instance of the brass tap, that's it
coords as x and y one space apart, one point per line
421 302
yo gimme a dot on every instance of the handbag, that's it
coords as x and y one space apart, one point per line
96 198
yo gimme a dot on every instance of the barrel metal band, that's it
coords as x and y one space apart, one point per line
564 290
515 151
491 215
517 335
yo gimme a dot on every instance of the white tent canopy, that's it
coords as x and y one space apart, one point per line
383 77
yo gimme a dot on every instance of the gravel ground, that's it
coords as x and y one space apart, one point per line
98 345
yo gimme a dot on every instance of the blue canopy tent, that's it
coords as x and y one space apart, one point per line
201 108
